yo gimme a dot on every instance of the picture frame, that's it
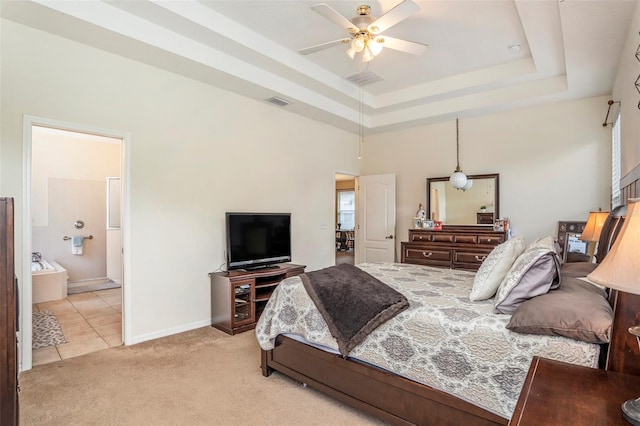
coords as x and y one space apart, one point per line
417 223
568 227
575 244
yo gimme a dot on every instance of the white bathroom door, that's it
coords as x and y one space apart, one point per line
376 218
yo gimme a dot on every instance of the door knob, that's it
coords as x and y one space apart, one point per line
390 237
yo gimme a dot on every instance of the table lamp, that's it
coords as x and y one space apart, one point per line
620 270
591 232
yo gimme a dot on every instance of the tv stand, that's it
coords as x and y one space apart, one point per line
238 297
259 268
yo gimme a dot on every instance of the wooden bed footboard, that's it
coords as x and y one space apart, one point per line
387 396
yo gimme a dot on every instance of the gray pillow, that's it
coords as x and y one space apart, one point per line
577 269
577 309
534 272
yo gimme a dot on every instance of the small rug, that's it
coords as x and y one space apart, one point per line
46 330
92 285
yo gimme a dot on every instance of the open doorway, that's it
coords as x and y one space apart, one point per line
345 219
74 291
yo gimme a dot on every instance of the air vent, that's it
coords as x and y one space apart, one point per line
365 77
278 101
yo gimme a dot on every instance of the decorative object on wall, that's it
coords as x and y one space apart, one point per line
620 270
611 102
365 31
458 179
485 192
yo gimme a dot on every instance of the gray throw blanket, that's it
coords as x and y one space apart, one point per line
352 302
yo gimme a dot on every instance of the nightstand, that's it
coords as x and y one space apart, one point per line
557 393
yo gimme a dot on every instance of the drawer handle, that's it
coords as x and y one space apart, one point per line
488 240
420 237
424 253
480 258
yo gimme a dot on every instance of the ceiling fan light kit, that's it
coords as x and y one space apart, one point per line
365 31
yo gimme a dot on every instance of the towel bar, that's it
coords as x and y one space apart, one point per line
90 237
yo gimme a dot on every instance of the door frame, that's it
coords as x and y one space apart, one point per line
335 208
26 296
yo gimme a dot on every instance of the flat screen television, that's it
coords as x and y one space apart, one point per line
256 240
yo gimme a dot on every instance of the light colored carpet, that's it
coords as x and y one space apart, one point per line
46 330
201 377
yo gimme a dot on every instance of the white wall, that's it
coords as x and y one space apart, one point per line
196 151
554 162
624 91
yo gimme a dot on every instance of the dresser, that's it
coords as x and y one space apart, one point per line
8 319
455 246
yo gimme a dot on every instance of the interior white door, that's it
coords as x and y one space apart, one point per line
376 218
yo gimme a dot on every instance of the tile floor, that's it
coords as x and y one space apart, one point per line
90 322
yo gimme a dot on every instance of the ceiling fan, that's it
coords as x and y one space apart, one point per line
366 30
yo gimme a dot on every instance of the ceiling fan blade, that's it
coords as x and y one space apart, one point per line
332 15
400 12
323 46
404 45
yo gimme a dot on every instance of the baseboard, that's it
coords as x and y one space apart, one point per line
170 331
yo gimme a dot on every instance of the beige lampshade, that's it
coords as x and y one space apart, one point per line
620 269
594 226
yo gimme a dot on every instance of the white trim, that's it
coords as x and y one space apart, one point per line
26 332
171 331
25 336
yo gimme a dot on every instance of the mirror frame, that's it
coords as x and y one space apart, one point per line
484 176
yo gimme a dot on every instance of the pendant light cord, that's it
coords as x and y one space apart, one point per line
457 148
361 116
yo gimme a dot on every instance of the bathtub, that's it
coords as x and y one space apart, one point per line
49 281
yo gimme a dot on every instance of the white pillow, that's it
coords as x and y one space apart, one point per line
547 242
495 267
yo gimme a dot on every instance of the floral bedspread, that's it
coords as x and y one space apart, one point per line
442 340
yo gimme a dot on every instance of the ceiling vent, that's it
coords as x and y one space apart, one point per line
365 77
278 101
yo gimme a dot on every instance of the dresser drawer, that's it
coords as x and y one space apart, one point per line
417 237
492 240
469 257
466 239
443 237
419 253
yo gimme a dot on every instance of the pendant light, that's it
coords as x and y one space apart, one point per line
458 179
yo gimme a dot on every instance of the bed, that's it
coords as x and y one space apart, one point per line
449 351
444 360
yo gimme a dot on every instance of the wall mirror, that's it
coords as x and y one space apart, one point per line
478 205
